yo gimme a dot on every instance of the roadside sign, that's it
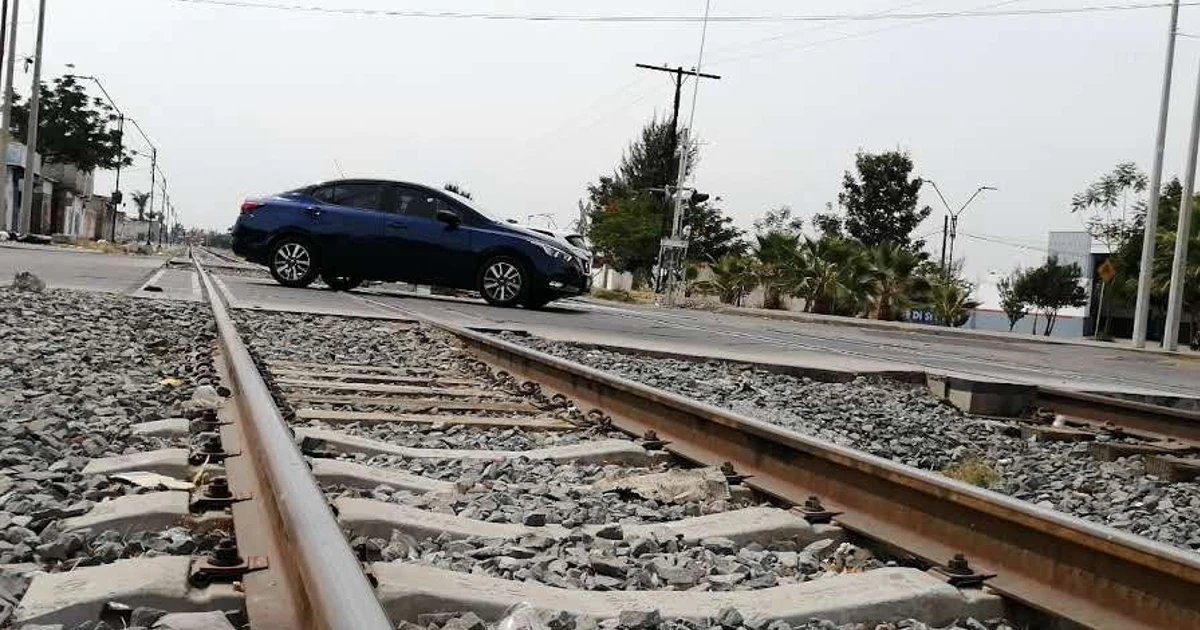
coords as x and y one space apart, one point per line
1107 271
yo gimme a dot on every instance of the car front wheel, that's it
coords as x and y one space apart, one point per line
293 262
503 281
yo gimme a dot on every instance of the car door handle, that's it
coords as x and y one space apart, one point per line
314 211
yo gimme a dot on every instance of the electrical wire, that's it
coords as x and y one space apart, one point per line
809 29
999 240
651 19
892 27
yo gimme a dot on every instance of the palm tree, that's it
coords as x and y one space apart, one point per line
140 199
780 266
733 277
894 285
949 300
835 276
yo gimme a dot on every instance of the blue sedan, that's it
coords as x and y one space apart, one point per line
352 230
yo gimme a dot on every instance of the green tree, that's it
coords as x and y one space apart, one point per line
780 266
836 276
649 162
140 199
458 189
895 284
881 201
627 235
779 220
1052 287
1113 212
733 278
828 223
1011 300
948 298
712 235
74 128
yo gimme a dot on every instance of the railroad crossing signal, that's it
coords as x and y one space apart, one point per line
1107 271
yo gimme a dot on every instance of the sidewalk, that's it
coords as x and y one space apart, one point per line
905 327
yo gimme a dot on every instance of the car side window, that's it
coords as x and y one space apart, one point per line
416 203
364 195
324 194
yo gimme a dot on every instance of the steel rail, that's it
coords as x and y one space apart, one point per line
338 594
1093 575
1181 424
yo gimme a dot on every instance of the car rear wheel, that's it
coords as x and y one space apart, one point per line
503 281
340 283
293 262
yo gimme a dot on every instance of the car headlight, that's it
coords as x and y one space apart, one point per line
554 252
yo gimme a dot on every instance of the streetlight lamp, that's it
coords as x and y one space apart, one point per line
115 198
950 223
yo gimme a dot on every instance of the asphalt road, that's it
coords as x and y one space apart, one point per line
675 331
699 333
71 269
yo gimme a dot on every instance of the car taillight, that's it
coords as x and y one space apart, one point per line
250 206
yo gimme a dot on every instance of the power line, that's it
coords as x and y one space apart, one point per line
999 240
810 29
651 19
905 24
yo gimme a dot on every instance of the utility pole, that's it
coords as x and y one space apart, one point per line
31 141
673 250
945 231
1183 234
1141 312
153 173
672 188
10 57
117 195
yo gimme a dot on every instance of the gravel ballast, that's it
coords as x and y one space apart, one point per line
902 422
77 370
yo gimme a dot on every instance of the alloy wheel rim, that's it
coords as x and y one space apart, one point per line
502 281
292 261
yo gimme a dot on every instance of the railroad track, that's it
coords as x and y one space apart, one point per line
286 453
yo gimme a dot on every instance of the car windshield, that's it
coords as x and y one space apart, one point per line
474 205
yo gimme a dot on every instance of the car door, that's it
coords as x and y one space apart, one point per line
349 223
429 250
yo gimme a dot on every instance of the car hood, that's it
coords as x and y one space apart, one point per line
538 237
560 243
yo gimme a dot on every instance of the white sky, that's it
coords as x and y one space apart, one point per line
249 101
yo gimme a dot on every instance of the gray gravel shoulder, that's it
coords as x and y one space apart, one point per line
904 423
77 370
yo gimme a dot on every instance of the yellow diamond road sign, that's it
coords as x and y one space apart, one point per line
1107 271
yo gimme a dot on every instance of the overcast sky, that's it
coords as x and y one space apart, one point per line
245 101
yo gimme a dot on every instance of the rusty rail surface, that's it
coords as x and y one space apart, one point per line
1181 424
336 594
1094 576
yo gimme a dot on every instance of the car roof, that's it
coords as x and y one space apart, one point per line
369 180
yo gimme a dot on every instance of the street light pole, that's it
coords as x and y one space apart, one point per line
1141 314
153 174
954 219
10 57
952 216
31 141
1183 233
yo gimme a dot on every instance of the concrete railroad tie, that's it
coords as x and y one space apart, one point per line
378 519
72 597
614 451
887 594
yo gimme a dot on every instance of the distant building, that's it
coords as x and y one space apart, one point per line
1068 247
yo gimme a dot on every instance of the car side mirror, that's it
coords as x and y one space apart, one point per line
449 217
